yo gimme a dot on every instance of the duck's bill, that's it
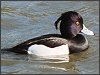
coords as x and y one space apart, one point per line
86 31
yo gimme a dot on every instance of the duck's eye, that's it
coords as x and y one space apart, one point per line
77 23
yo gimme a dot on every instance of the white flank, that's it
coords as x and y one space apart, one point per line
42 50
86 31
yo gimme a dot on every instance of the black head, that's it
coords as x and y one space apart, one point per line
71 24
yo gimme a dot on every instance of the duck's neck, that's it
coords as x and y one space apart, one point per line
67 37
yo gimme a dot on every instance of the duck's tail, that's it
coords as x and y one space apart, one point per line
15 50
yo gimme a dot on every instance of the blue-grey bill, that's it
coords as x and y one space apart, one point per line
86 31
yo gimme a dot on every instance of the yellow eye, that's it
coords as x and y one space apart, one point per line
77 23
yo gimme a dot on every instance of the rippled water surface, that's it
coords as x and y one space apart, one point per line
23 20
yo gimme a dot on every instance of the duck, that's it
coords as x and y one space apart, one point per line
70 40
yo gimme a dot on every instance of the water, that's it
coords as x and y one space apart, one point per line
23 20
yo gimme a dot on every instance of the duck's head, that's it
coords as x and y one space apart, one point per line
72 24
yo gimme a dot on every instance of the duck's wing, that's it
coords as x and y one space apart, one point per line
52 41
49 40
